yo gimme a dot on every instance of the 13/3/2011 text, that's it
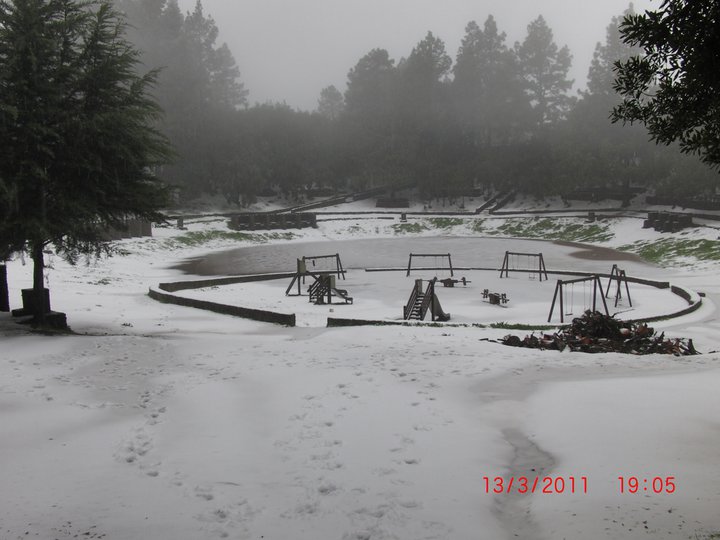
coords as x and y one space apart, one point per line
545 484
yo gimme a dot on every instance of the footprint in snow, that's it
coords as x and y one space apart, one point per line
204 493
327 489
357 536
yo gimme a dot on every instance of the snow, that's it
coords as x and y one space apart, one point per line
684 448
164 422
382 295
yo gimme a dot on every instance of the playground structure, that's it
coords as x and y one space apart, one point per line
496 299
450 282
567 301
534 264
436 256
420 302
332 263
323 290
618 277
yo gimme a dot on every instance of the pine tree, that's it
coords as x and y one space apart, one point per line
601 75
545 69
79 148
488 87
199 85
331 103
371 113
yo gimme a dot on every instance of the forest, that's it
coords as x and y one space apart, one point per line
497 116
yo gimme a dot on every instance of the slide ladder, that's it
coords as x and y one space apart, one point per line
420 302
323 290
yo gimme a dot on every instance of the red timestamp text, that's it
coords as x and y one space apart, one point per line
522 485
640 484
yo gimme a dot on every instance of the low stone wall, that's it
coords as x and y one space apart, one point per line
339 322
263 221
164 291
175 286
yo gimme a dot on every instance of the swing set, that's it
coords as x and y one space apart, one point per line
532 263
618 277
565 293
438 258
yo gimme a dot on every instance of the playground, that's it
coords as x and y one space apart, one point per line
513 289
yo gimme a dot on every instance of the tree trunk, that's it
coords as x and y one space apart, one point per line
39 283
4 296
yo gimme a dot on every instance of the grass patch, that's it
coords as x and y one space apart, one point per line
667 251
199 238
478 225
445 223
409 228
509 326
427 224
555 229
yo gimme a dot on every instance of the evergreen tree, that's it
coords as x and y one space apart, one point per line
422 104
545 69
422 77
601 75
199 81
331 103
603 154
79 148
488 87
369 94
371 113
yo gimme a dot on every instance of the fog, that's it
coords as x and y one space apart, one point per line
288 50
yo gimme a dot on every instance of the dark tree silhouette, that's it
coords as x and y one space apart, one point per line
674 86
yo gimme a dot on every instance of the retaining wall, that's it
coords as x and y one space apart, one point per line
164 290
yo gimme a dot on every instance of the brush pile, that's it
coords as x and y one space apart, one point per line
595 332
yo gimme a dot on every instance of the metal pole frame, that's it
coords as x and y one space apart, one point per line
597 284
449 258
541 269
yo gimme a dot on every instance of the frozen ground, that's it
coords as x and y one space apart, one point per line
157 421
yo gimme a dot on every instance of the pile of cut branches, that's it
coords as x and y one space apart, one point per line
595 332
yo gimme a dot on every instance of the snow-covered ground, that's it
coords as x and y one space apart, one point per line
382 295
164 422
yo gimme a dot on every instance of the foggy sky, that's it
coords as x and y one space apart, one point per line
288 50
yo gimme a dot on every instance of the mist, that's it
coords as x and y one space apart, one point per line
288 51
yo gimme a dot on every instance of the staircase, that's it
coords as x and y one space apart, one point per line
323 290
318 291
419 302
416 310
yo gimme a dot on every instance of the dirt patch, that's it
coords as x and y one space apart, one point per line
597 253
